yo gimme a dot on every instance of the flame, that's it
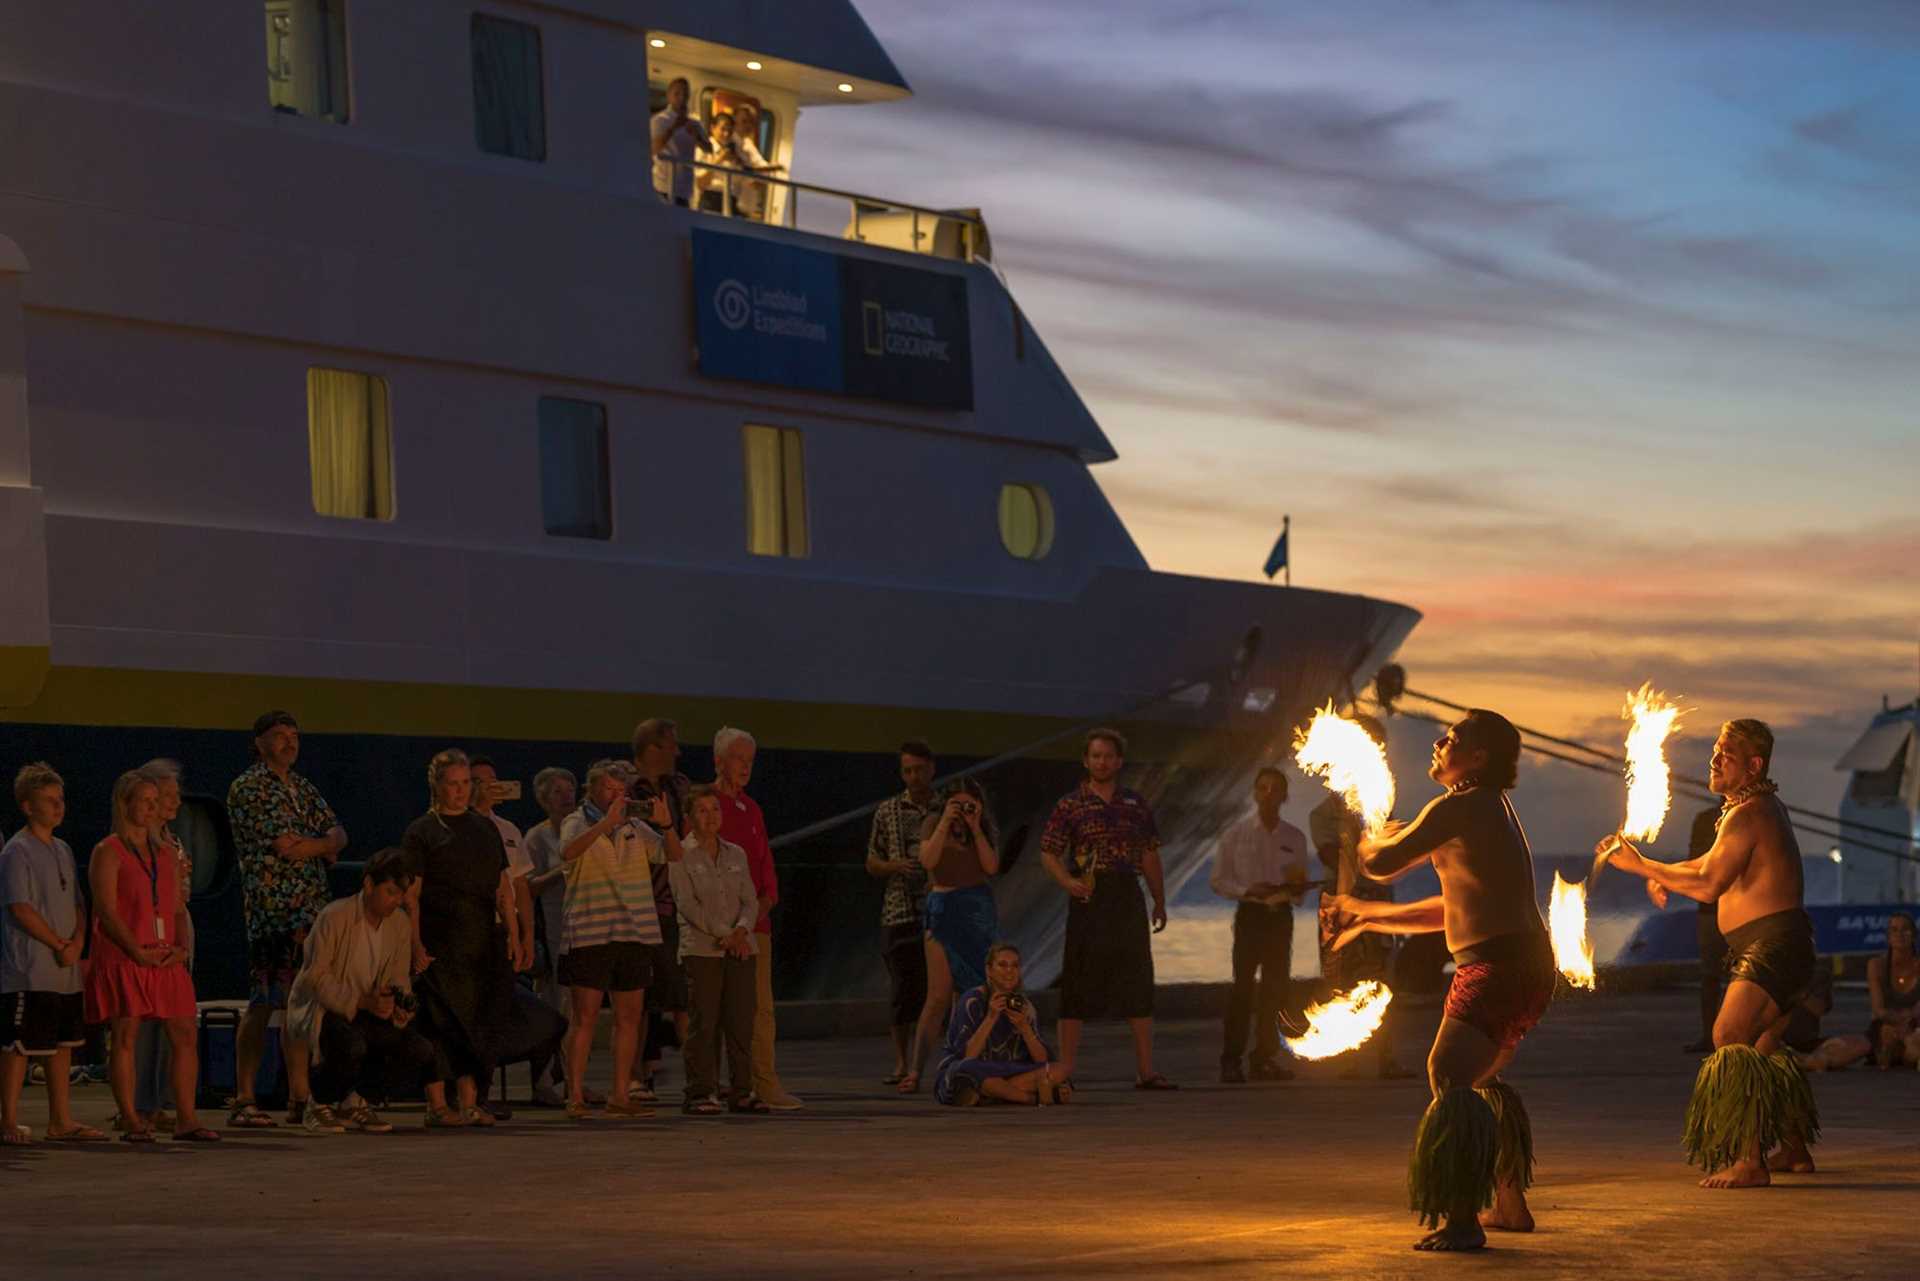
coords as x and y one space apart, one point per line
1648 793
1567 924
1344 1022
1345 757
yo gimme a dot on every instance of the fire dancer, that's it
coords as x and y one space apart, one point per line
1474 1147
1750 1093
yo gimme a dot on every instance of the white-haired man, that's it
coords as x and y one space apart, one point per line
742 823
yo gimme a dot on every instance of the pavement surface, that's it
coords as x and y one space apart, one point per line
1302 1178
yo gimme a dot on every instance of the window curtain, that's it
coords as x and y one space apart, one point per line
793 492
574 494
509 98
349 444
766 528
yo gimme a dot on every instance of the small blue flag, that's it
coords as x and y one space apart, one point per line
1277 558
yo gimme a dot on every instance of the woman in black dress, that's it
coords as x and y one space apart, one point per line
464 975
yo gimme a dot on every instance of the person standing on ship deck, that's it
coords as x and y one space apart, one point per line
893 856
286 837
744 825
1097 845
675 133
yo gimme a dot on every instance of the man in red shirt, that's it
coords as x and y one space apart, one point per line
742 823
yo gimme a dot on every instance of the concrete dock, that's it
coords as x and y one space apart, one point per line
1303 1178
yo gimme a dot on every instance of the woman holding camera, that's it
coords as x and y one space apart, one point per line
961 919
992 1047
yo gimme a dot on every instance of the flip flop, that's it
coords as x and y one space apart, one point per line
248 1116
1158 1081
703 1107
752 1103
137 1136
78 1134
198 1134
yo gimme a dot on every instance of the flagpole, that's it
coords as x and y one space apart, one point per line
1286 526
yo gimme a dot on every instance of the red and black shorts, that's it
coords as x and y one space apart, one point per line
1501 987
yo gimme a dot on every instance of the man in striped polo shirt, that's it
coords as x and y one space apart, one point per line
610 926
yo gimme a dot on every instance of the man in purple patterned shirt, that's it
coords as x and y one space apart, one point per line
1098 844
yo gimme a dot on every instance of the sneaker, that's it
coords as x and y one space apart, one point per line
367 1121
317 1118
1233 1073
783 1102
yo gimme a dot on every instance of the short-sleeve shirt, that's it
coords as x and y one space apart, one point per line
281 895
610 886
43 876
639 800
669 178
896 838
742 823
1085 831
519 862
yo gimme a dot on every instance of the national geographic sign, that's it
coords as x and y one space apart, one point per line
773 313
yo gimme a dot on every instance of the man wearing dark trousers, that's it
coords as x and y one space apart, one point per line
1261 864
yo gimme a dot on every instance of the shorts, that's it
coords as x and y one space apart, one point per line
272 961
609 967
40 1023
1776 953
1107 969
667 989
1502 987
905 951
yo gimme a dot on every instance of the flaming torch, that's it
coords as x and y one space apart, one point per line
1567 926
1345 757
1649 794
1342 1023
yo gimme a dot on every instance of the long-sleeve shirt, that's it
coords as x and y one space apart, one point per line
742 823
1250 853
713 890
346 959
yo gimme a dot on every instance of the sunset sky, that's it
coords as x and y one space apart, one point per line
1586 328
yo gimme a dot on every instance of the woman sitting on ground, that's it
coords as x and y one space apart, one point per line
992 1046
1893 985
957 849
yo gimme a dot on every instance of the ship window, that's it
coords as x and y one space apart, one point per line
776 492
509 91
350 444
1026 521
573 468
307 58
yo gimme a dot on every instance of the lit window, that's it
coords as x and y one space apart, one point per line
350 444
574 494
776 492
509 89
307 58
1026 521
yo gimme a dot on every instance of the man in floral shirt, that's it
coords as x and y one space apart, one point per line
286 836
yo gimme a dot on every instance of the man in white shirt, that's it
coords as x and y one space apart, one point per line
1261 864
675 133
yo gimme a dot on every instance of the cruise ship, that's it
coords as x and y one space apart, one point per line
355 359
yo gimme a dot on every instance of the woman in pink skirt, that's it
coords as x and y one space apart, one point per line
139 968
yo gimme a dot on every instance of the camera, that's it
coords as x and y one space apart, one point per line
1015 1001
405 1002
967 809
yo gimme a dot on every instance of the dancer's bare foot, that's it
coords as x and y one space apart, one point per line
1743 1174
1509 1212
1791 1158
1461 1233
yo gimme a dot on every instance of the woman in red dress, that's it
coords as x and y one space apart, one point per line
139 970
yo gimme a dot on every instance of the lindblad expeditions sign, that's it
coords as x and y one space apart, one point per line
773 313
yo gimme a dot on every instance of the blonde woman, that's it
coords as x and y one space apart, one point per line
139 969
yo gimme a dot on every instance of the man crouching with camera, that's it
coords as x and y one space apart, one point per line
352 1002
993 1050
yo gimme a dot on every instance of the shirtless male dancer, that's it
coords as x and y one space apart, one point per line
1474 1148
1751 1093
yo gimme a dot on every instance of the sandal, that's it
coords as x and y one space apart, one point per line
579 1112
198 1134
479 1118
78 1134
136 1136
750 1103
17 1137
630 1110
708 1106
248 1116
1063 1091
1157 1081
909 1084
445 1119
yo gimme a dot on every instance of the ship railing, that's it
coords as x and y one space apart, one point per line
847 215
